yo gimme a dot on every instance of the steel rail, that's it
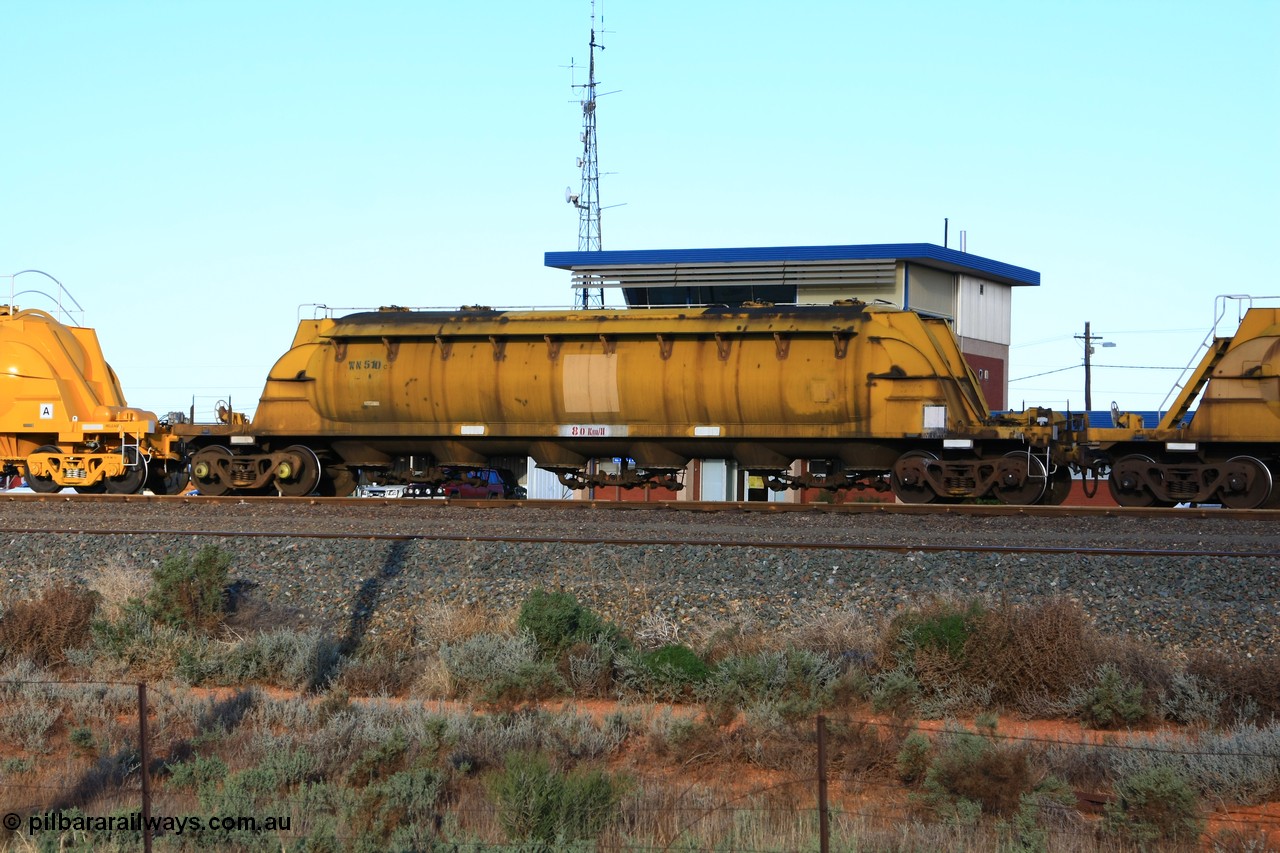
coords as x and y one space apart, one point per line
913 548
976 510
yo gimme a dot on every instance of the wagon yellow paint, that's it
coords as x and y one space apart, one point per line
648 378
63 415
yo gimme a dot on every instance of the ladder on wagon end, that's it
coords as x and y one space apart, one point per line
1200 367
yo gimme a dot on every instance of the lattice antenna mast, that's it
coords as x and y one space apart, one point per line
588 198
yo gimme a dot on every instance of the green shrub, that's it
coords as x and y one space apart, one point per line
786 684
197 771
556 621
190 591
1154 805
81 737
671 672
398 812
536 802
895 691
943 626
968 768
1110 701
913 758
500 669
680 658
284 658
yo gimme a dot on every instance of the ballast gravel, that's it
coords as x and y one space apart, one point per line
359 586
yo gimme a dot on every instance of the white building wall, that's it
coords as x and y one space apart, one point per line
545 485
717 480
984 311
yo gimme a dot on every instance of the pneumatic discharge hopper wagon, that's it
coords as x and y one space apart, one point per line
64 421
834 397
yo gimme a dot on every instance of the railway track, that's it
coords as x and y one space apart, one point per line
1197 577
651 542
981 529
976 510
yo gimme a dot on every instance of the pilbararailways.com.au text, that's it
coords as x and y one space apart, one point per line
134 822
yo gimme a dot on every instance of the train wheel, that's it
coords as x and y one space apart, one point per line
1059 487
1126 485
305 479
43 485
134 476
168 478
204 471
1251 484
908 480
97 488
1021 466
337 483
1273 502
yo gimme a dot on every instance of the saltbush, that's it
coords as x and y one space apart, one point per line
913 758
536 802
190 590
787 684
301 660
895 691
399 811
1192 701
498 668
1250 685
1111 700
1154 805
970 769
556 621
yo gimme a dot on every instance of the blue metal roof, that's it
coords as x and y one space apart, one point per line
1150 420
927 253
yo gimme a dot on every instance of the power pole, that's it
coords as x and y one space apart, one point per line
1088 363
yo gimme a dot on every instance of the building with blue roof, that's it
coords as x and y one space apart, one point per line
973 292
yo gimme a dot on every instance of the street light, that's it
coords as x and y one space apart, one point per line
1088 367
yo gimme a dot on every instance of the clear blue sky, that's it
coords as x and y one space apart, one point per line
195 171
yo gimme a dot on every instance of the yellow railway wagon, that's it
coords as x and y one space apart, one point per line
860 393
1227 451
63 417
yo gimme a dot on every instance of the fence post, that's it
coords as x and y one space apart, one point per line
824 825
144 748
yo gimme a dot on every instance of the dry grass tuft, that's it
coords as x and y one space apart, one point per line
117 581
442 623
839 633
1250 684
1032 653
42 630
